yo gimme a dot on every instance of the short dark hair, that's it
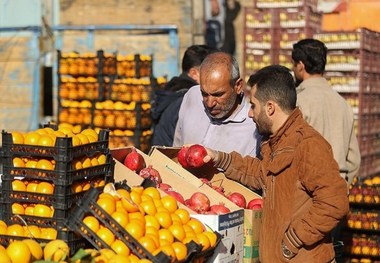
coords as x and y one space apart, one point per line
275 83
312 53
194 55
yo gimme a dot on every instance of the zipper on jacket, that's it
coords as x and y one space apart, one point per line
272 195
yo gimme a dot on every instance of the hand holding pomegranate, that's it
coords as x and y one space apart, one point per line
195 156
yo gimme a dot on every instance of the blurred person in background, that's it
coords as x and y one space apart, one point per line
214 113
167 102
220 29
323 108
304 195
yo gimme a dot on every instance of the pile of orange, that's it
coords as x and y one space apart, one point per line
47 136
29 231
155 221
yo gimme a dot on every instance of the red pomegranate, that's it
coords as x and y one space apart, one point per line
177 196
238 199
151 173
134 161
195 155
181 156
219 209
255 204
199 202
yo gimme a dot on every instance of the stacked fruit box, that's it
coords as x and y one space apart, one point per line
41 183
148 233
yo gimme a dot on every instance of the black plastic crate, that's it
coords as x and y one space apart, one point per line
88 206
63 174
63 151
62 198
73 240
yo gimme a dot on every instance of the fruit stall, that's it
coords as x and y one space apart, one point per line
67 197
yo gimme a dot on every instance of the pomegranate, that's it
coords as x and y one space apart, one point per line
195 155
255 204
219 209
205 181
219 189
182 156
238 199
199 202
164 187
134 161
176 195
151 173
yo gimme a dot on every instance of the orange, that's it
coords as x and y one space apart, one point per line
151 221
196 225
18 162
94 161
91 138
32 231
86 162
2 223
106 235
168 250
92 223
44 165
42 210
19 252
4 258
3 230
170 203
76 187
107 204
48 233
137 189
212 237
32 138
17 138
120 248
183 214
75 140
32 186
137 216
18 185
166 234
86 186
164 219
90 132
149 207
18 209
136 198
108 253
35 249
83 138
176 219
180 250
102 159
66 130
56 250
203 240
123 193
119 259
77 164
154 238
121 218
134 258
45 140
129 205
49 130
15 230
152 192
135 229
41 131
45 188
29 211
151 231
178 231
31 164
148 243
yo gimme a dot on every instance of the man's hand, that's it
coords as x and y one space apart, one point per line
211 157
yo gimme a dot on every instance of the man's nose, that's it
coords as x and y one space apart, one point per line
210 101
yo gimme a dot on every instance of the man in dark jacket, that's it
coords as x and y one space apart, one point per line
168 101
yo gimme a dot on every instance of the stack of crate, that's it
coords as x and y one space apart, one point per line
271 27
40 184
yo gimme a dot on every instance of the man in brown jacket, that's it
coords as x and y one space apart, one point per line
304 195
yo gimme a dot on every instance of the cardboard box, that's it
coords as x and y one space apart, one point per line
229 225
167 157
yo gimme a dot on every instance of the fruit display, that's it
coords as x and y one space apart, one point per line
271 28
46 171
142 222
350 72
363 235
108 91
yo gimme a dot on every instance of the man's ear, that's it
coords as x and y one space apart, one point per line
239 86
270 107
194 74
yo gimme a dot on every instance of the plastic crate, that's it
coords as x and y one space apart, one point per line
73 240
62 198
88 206
63 174
63 151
